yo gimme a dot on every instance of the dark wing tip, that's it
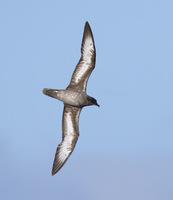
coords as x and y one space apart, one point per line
88 31
54 171
87 24
56 167
88 41
57 164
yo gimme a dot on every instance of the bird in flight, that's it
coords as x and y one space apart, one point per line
74 99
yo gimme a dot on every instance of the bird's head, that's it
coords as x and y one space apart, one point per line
93 101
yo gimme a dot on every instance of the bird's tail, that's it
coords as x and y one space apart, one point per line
50 92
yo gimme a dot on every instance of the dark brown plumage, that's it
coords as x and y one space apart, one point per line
74 98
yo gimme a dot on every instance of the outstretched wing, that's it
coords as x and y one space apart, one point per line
86 63
70 126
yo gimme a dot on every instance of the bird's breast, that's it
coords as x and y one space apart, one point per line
72 97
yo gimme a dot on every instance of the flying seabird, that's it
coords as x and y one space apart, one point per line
74 98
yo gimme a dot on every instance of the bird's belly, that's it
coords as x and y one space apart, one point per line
73 98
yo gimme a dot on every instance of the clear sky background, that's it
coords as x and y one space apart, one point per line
125 148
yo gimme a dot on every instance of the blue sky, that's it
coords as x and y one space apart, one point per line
125 149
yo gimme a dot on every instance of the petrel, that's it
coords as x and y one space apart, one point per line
74 98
